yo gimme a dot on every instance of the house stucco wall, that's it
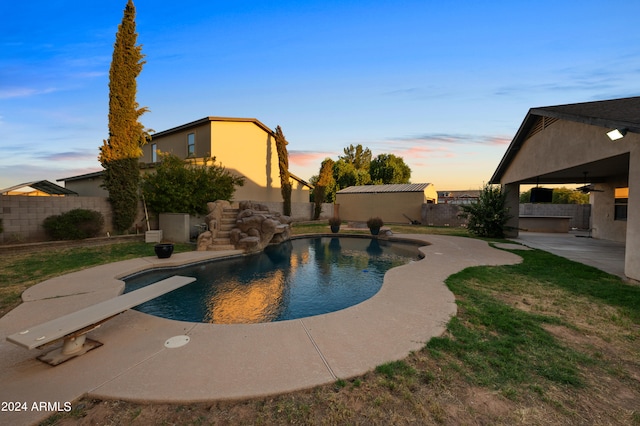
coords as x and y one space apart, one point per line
632 250
88 187
603 224
176 142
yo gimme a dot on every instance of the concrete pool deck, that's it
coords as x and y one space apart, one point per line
222 362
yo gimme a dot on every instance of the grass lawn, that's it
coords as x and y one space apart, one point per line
547 341
21 270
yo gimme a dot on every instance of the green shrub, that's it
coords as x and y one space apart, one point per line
74 225
180 187
488 217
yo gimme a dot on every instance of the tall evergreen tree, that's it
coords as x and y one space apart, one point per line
119 154
323 186
283 161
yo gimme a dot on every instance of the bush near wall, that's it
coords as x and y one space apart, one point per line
75 224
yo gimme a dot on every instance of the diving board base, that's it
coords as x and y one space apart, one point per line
57 356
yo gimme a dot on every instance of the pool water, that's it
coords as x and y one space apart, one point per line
295 279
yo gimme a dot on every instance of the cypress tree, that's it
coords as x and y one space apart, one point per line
325 183
283 161
119 154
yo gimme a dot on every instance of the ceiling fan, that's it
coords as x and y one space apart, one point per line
588 187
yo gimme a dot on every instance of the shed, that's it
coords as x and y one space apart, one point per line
394 203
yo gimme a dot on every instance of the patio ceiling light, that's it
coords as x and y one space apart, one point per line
616 134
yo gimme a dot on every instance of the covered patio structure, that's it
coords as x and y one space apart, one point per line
578 144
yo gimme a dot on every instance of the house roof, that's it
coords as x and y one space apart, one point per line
469 193
610 114
101 173
300 180
40 185
81 177
210 119
373 189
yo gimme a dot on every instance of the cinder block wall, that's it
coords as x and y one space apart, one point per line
22 216
447 214
442 215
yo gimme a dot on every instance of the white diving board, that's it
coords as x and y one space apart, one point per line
73 327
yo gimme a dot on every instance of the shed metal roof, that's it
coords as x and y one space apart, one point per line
372 189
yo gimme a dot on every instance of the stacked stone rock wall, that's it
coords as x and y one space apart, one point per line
257 227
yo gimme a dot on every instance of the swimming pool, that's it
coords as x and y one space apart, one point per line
296 279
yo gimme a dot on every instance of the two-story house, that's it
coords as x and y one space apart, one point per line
244 146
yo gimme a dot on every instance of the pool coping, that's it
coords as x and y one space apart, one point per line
237 361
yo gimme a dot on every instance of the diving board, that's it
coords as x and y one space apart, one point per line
73 327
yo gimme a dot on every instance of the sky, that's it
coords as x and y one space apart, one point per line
443 84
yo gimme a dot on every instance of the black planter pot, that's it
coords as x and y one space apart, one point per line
335 228
163 251
374 231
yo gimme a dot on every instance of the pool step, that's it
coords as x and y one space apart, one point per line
221 247
227 223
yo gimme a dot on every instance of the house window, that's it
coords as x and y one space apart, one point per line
620 204
154 153
191 144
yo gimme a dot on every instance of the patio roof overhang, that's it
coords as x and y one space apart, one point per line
610 114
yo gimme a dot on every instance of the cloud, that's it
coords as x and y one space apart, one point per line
572 80
424 152
24 92
308 158
420 150
77 155
446 139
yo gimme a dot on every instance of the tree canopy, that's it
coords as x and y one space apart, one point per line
356 167
357 156
177 186
560 196
387 168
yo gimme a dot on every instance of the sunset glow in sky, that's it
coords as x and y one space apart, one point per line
443 84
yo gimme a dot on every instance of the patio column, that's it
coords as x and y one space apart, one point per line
513 203
632 248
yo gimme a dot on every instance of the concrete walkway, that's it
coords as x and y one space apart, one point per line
139 362
605 255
